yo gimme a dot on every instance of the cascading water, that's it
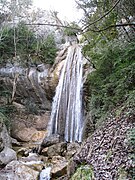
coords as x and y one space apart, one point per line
66 116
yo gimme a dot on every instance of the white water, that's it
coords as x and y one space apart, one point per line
66 117
45 174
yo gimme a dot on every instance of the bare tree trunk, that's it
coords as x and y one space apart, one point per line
15 51
14 86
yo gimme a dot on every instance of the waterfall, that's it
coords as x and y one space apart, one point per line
66 116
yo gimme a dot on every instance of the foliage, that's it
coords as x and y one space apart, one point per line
112 83
5 108
83 172
29 48
72 29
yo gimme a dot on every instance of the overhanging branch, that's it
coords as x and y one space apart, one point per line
54 25
79 29
112 26
101 16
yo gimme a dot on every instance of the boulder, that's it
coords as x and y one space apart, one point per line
59 167
6 156
55 150
15 170
24 134
29 127
50 140
28 134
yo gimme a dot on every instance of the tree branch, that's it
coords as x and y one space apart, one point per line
54 25
80 30
102 16
111 26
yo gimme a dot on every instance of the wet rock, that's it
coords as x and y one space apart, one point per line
33 161
23 151
31 157
6 156
50 83
44 151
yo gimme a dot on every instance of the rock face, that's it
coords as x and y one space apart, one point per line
26 82
107 150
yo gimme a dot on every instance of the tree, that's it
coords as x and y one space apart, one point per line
108 33
103 15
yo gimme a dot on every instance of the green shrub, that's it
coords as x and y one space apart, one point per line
83 172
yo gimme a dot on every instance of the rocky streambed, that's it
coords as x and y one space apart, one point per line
31 158
107 154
